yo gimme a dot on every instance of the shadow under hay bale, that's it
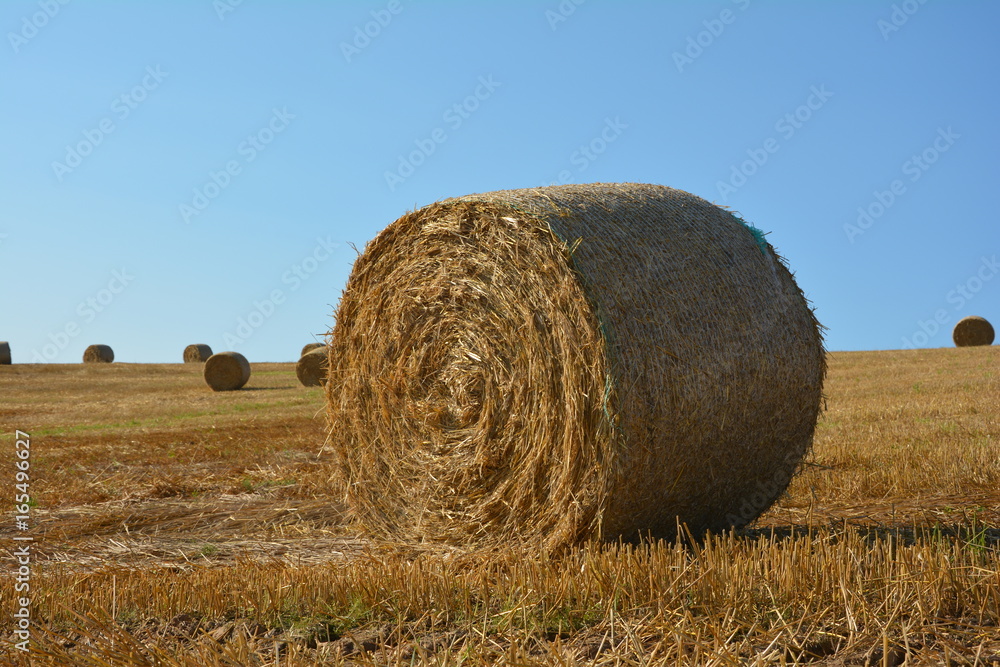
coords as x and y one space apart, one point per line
972 331
311 368
98 354
227 371
558 364
309 347
4 353
197 353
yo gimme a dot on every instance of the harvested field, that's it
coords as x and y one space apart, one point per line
202 528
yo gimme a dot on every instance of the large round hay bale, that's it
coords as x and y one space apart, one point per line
571 362
311 368
197 353
227 371
4 352
973 331
309 347
98 354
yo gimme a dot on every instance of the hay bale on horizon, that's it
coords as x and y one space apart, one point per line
973 330
309 347
197 353
227 371
551 365
311 368
98 354
4 353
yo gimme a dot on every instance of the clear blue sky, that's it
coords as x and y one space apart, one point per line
116 115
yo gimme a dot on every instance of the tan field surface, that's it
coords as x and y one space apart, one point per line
173 525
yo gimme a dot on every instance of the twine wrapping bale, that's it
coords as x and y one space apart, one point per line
197 353
98 354
309 347
971 331
311 368
227 371
4 353
571 362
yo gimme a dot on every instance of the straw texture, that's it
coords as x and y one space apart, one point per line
973 331
311 368
309 347
227 371
4 352
98 354
197 353
571 362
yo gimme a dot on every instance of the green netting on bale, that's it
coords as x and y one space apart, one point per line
757 234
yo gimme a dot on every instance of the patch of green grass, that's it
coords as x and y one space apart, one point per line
357 613
172 420
82 428
331 624
163 421
248 407
128 616
568 619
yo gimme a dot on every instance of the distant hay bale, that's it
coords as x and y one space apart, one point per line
311 368
227 371
197 353
4 353
971 331
309 347
571 362
98 354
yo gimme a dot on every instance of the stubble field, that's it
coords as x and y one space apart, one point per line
173 525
